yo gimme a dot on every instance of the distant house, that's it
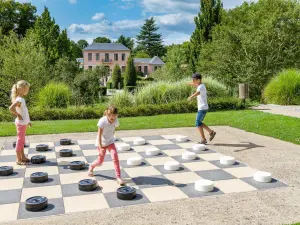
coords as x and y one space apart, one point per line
110 54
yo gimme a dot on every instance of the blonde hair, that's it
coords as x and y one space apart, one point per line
17 89
110 110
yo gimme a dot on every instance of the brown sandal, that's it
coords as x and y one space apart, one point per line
21 163
26 160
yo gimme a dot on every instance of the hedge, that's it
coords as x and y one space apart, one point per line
103 91
143 110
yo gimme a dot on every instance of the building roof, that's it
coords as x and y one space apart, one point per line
107 46
155 60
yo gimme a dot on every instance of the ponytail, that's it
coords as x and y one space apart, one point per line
14 93
110 110
17 89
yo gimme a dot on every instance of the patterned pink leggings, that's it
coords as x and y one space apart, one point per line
21 131
114 155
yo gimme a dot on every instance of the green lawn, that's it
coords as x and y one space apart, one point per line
277 126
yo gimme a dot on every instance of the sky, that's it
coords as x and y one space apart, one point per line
88 19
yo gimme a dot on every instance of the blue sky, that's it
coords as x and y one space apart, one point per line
88 19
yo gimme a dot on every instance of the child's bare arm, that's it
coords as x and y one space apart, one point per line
194 95
13 110
100 131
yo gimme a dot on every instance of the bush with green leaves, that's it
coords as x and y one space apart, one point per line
130 76
284 89
86 86
122 99
54 95
164 92
254 42
116 78
86 112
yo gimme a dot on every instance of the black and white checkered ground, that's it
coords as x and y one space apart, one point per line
152 181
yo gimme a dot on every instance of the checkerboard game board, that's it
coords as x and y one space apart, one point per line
152 181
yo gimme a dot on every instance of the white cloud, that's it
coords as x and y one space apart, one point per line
73 1
173 6
98 16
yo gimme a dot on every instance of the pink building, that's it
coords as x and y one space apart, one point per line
110 54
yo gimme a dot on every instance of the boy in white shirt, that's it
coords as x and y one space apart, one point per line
202 107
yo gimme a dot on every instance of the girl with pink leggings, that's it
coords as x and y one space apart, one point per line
105 141
19 109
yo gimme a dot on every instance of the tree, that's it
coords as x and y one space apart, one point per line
208 17
82 44
254 42
149 40
141 54
48 34
116 76
127 41
130 73
76 50
63 45
65 70
101 40
22 59
17 17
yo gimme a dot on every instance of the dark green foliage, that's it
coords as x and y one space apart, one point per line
103 91
116 77
142 110
126 41
130 73
17 17
149 40
102 40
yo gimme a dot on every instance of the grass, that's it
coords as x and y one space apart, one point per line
281 127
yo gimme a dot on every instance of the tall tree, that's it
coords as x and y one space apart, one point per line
16 16
64 45
130 73
149 40
48 33
127 41
76 50
208 17
116 76
82 43
101 40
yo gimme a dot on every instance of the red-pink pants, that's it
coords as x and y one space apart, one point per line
21 131
114 155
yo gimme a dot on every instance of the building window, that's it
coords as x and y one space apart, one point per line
139 68
90 67
90 56
123 57
116 57
97 57
106 57
123 69
145 70
155 68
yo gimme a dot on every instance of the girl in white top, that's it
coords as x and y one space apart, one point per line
106 141
19 109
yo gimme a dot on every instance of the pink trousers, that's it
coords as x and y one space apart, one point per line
21 131
114 155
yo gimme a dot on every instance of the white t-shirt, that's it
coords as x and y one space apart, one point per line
202 98
108 131
23 111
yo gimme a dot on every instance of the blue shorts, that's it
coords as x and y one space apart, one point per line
200 117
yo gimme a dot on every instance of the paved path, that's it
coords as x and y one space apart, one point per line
293 111
276 206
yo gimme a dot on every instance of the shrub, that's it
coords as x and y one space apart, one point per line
109 85
139 74
116 76
284 89
85 112
130 73
54 95
130 88
122 99
103 91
